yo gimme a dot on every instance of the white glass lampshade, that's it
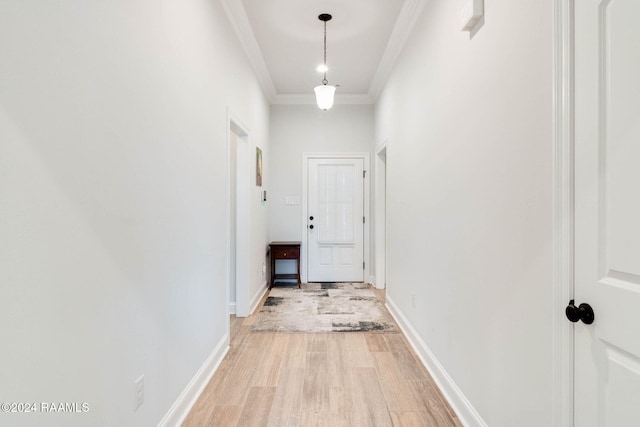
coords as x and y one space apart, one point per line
324 96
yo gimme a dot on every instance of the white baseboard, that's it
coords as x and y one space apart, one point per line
258 297
181 407
232 307
467 414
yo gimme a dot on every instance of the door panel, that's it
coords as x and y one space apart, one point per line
607 377
336 203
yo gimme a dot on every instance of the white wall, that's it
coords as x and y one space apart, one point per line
468 123
299 129
113 163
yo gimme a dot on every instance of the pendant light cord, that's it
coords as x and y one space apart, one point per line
324 80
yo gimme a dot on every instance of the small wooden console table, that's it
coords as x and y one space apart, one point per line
284 250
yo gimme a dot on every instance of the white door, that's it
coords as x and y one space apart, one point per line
607 239
335 223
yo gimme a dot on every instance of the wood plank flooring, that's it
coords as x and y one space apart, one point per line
307 380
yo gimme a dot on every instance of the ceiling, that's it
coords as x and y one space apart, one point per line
283 39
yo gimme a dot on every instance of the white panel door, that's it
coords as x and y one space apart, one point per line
335 225
607 240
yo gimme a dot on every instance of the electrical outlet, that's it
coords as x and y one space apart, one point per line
139 389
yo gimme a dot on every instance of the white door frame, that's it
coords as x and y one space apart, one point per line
381 216
243 179
305 199
563 211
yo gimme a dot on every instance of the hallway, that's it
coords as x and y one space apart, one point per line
121 185
339 379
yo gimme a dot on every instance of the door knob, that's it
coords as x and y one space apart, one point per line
311 218
583 312
311 226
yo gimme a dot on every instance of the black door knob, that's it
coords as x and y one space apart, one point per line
311 218
583 312
311 226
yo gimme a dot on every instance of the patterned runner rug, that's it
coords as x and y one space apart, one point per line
324 307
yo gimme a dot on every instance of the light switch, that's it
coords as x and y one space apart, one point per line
291 200
472 11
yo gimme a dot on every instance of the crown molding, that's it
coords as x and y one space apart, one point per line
407 18
404 24
240 22
310 99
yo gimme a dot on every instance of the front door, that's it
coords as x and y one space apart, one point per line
335 223
607 201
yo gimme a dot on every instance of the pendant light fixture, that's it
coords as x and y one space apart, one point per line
325 92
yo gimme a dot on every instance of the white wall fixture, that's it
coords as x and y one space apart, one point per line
472 11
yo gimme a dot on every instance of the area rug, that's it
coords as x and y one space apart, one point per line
323 307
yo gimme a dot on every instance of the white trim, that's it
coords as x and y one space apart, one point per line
258 297
232 307
380 213
244 158
409 14
181 407
367 208
240 22
467 414
563 213
310 99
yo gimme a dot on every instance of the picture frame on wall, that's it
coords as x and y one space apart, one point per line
258 167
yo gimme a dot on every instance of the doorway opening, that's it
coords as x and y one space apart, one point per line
239 173
380 278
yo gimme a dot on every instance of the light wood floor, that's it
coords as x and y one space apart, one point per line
337 379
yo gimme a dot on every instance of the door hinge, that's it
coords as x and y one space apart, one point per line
363 265
364 174
363 220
